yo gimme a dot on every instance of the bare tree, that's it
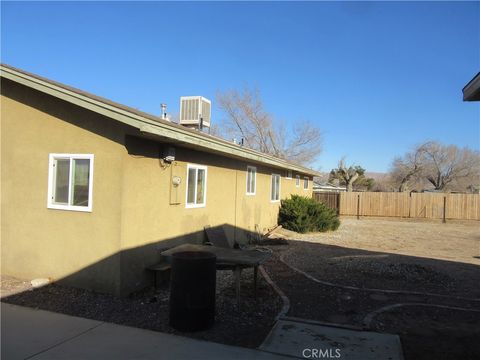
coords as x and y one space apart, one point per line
384 185
247 119
347 174
446 167
408 168
448 164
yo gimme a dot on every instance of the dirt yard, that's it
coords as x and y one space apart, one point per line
419 280
454 241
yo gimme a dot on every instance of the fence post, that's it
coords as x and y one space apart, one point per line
410 204
444 209
337 204
358 207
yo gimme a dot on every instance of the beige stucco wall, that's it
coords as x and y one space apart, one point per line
79 247
136 209
150 221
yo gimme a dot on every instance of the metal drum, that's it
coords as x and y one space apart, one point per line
192 290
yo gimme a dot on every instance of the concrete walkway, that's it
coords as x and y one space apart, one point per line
308 339
37 334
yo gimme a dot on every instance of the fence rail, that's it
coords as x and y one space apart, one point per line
414 205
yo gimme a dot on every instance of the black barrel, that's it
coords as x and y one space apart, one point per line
192 290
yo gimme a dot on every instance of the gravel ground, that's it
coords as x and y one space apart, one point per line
150 310
369 253
433 333
380 270
426 332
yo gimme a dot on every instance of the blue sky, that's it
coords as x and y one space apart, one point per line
376 77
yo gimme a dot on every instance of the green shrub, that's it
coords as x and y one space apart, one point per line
303 214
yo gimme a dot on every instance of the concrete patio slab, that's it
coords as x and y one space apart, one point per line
309 340
121 342
26 331
38 334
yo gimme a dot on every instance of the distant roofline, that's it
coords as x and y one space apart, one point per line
328 186
146 123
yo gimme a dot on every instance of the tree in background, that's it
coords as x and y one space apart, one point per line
446 167
364 183
406 170
247 119
384 184
350 176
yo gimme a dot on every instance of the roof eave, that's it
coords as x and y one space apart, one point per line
149 126
471 91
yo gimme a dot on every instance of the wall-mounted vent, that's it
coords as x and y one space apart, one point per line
195 111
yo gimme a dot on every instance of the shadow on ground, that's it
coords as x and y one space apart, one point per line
426 331
340 295
146 307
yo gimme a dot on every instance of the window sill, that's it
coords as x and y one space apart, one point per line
195 206
70 208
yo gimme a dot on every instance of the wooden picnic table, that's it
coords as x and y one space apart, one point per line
231 258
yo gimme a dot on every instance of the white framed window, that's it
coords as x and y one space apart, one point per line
297 181
305 183
70 182
289 175
251 180
196 186
275 188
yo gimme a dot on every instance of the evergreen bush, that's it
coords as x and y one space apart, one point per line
303 214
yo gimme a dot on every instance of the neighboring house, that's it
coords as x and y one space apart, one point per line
91 189
328 187
471 91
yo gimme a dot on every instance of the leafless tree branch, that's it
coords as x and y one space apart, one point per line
245 117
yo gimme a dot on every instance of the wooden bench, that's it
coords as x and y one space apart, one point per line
160 269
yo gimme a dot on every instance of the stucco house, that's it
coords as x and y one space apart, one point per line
91 189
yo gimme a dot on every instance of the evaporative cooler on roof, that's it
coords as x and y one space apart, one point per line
195 111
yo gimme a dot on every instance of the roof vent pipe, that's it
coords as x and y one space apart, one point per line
164 112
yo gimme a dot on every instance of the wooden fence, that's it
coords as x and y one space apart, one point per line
332 200
414 205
